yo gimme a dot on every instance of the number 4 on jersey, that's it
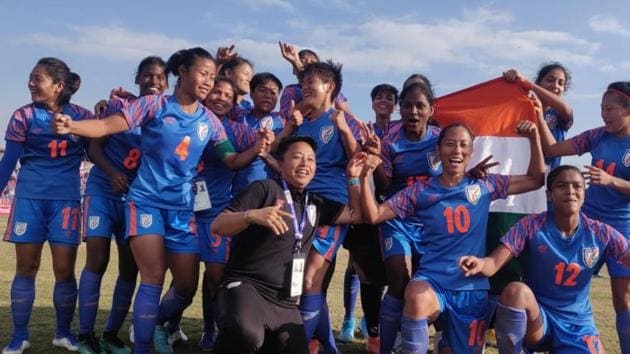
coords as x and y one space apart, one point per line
182 149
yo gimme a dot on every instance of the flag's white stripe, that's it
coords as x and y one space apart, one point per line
513 155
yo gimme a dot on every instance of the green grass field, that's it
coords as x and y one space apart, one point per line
43 318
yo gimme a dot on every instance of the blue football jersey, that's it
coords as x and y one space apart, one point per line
49 164
123 151
406 161
172 143
455 221
612 154
558 129
330 175
257 169
559 270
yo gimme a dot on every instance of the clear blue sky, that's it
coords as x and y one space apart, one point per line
455 43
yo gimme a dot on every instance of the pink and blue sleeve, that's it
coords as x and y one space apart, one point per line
404 202
115 105
386 156
354 124
288 95
340 98
617 246
514 240
584 142
142 110
498 186
18 125
218 134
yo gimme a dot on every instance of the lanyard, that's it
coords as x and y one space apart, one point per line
299 229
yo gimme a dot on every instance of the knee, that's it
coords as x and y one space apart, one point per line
97 262
517 295
28 269
420 301
241 334
397 284
152 275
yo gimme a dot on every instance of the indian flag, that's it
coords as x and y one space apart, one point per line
492 110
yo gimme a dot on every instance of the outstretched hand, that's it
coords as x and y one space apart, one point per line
271 217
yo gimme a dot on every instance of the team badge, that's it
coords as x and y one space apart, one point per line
434 160
20 228
551 120
326 133
146 220
267 122
590 256
202 131
389 242
311 213
473 193
93 222
626 158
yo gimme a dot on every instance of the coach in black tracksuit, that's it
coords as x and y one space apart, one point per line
256 310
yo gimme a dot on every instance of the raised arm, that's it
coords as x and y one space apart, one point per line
351 213
549 99
350 144
371 211
486 266
535 177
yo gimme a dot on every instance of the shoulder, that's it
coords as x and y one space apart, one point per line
78 111
25 112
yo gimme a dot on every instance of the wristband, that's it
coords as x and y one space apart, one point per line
354 181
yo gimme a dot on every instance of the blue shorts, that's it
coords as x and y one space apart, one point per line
401 238
561 337
465 315
212 248
36 220
328 239
177 227
103 217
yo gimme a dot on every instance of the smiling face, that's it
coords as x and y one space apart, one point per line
152 80
316 92
566 192
554 81
455 150
384 103
415 111
43 88
241 75
265 97
221 99
198 79
297 165
616 117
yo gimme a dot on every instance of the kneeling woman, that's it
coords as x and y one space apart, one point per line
453 209
273 223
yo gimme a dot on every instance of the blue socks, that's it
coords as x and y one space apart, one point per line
623 330
65 300
145 315
22 298
351 285
415 335
390 314
172 305
89 293
310 307
323 331
510 328
121 301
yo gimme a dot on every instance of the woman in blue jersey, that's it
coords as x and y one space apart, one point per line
159 210
240 70
552 81
551 310
116 160
47 198
608 196
452 208
215 249
409 155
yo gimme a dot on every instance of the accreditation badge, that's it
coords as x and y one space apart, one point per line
297 274
202 198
